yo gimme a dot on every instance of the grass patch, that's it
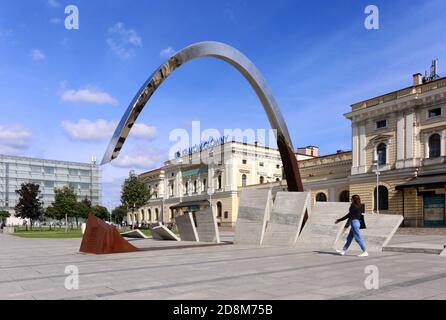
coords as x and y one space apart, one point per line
46 233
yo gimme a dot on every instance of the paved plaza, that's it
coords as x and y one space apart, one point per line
35 269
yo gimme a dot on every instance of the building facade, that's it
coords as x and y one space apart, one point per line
397 165
84 178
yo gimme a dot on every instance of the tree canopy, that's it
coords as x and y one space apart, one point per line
135 193
29 205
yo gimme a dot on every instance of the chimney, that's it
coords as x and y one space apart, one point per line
417 79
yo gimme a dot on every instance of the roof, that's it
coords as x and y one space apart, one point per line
430 180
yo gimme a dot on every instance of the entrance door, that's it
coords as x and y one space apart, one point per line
433 210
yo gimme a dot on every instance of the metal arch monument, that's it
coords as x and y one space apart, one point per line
246 68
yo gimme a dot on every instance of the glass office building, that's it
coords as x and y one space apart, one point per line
84 178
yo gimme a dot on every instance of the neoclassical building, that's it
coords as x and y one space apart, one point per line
398 142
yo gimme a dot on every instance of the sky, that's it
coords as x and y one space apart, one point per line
62 92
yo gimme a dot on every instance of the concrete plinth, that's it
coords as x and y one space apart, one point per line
207 227
186 228
380 230
161 232
320 231
286 218
136 234
253 213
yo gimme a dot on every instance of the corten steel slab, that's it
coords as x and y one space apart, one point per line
380 230
320 231
186 227
136 234
102 238
287 218
246 68
161 232
253 213
207 226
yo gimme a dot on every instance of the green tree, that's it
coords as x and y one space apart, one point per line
4 215
84 208
119 213
29 205
100 212
135 193
65 203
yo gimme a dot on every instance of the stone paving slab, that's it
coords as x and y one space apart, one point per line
260 273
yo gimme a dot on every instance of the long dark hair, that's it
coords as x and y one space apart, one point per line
356 201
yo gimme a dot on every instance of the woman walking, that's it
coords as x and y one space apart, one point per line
356 219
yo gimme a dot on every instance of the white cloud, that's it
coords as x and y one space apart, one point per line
167 52
14 138
37 55
55 20
89 95
122 41
86 130
140 158
53 3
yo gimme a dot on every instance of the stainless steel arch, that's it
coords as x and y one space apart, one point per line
246 68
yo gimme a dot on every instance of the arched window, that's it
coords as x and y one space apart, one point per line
277 179
321 197
383 198
171 190
219 209
187 188
381 154
204 185
150 215
143 218
434 146
156 214
219 184
344 196
195 186
244 180
262 180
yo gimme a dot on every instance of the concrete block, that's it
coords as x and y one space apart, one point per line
155 235
161 232
286 218
136 234
186 227
8 230
207 227
380 230
253 213
320 231
443 254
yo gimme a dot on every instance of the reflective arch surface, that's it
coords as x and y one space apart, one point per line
246 68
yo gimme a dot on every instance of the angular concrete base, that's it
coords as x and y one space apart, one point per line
380 230
320 231
161 232
287 217
186 228
443 254
155 235
253 213
136 234
207 227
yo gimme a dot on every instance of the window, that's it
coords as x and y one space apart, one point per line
262 180
381 154
434 113
219 209
278 166
49 184
321 197
277 179
73 172
156 215
150 215
261 164
142 215
36 169
383 198
171 190
244 180
195 186
49 170
226 215
344 196
186 191
434 146
244 161
204 185
381 124
219 184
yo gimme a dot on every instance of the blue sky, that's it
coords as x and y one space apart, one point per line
62 91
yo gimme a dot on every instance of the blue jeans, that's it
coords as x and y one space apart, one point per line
355 232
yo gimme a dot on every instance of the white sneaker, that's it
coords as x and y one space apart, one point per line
341 252
364 254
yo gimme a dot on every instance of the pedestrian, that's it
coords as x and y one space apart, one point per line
356 221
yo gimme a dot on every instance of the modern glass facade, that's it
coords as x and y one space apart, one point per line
84 178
